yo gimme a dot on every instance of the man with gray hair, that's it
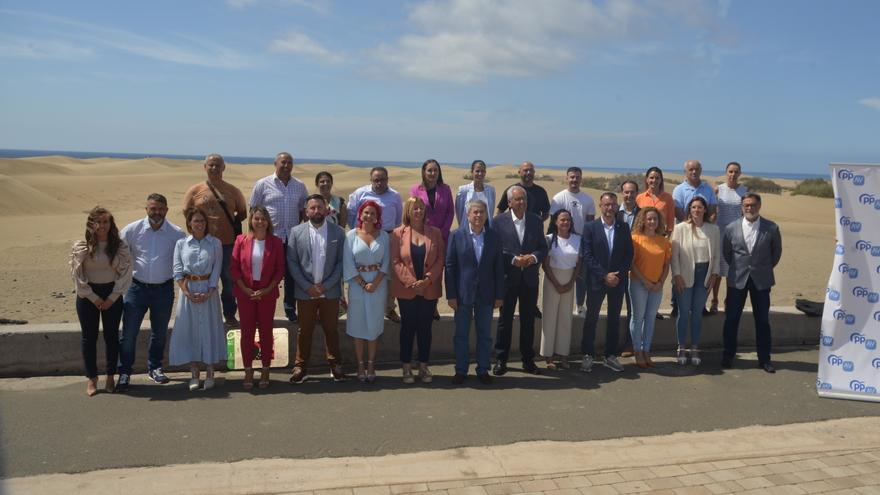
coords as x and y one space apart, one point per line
226 208
523 249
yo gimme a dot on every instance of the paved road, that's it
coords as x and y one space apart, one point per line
50 426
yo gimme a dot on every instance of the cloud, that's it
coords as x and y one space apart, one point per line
43 49
185 50
873 102
302 44
469 41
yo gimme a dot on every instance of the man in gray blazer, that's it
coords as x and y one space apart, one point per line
314 260
752 248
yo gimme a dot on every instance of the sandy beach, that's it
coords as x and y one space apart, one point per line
44 200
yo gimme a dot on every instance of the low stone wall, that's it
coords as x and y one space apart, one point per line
54 349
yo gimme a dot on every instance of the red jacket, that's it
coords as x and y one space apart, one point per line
273 264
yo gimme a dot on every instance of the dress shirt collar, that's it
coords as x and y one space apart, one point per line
751 225
471 230
322 230
514 217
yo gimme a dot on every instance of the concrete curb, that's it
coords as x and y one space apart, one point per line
54 348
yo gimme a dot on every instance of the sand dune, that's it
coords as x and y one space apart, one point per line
43 201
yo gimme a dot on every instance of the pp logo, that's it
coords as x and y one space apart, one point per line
833 295
828 341
863 245
835 360
867 199
875 363
823 385
859 180
870 344
873 297
857 338
859 386
844 268
845 174
876 205
839 249
853 273
860 291
855 227
877 316
840 314
838 203
875 251
845 221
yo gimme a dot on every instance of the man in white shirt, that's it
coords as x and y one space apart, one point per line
314 261
284 196
583 210
151 241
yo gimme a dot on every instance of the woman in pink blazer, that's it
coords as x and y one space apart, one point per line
418 253
437 197
257 268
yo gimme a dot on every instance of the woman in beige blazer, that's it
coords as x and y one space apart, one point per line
417 257
696 261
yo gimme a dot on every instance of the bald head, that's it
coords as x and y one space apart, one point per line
692 171
526 173
283 166
214 166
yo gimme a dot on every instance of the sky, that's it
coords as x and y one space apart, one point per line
780 86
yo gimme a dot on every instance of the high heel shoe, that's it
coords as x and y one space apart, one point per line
248 379
649 362
264 378
361 375
640 360
109 385
371 372
92 387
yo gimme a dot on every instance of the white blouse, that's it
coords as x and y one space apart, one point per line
564 253
257 259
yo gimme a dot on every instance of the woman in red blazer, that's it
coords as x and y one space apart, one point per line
257 268
417 257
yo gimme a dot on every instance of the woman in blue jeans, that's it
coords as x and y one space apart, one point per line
650 267
696 261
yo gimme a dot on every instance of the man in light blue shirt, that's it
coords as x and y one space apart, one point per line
284 197
693 186
392 213
151 241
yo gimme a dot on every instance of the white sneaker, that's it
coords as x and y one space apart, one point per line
587 364
613 364
193 384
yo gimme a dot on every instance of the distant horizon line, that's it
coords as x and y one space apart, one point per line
244 160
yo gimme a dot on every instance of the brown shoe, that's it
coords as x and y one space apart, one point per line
264 378
628 352
248 383
299 375
109 385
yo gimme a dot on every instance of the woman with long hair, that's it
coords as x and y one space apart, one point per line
437 197
257 267
652 252
417 258
561 266
199 336
101 269
696 260
655 195
365 266
477 189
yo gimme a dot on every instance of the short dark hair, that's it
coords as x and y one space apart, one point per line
190 213
754 195
574 169
609 194
629 181
733 163
316 196
324 173
380 169
157 197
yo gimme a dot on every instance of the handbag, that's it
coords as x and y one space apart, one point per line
236 224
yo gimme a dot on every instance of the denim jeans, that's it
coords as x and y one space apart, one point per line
229 305
691 302
158 299
644 311
482 316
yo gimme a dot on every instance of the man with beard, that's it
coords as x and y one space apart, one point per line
314 260
151 241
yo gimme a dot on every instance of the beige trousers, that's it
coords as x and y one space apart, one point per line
557 309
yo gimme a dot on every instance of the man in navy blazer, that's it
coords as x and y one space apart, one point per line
474 287
607 252
524 249
314 261
752 247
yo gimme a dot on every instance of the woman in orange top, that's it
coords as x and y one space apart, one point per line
655 196
652 252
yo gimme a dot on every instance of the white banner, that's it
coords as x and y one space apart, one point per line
849 358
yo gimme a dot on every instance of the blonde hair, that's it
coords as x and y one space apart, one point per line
408 207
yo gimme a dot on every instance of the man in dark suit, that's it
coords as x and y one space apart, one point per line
627 213
607 252
524 248
474 287
314 261
752 248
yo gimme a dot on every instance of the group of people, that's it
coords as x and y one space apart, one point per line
407 251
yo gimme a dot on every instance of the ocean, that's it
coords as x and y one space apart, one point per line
12 153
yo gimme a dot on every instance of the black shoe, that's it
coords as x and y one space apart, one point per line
660 317
485 379
674 313
530 368
500 368
291 316
727 362
767 367
158 376
458 379
538 314
122 384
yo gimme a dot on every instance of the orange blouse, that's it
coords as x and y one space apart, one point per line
662 202
650 255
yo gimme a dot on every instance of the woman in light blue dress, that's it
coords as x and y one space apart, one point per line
366 267
198 335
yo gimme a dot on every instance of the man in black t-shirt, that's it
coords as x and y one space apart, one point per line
538 201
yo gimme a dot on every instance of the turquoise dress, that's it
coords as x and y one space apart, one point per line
198 334
366 311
